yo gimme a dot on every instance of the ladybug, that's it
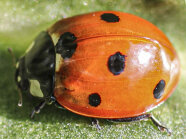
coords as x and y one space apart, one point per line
107 64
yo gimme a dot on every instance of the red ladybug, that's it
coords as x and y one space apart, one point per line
108 64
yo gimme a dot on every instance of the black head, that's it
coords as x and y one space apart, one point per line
35 71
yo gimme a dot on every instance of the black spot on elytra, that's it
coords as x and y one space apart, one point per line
66 45
110 17
94 99
159 89
116 63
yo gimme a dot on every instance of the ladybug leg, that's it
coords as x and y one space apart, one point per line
95 122
37 109
52 99
143 117
159 125
59 106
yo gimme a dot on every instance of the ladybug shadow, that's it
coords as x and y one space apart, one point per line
50 114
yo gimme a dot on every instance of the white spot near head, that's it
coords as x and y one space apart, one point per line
18 78
35 89
55 38
59 62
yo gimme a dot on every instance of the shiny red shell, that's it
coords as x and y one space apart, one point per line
149 59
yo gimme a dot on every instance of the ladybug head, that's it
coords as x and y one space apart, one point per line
35 70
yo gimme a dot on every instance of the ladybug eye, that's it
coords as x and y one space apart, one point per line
116 63
159 89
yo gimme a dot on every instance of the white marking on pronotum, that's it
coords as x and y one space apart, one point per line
30 47
55 38
35 89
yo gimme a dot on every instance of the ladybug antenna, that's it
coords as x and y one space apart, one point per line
20 102
13 56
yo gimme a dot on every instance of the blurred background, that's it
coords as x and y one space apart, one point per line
22 20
